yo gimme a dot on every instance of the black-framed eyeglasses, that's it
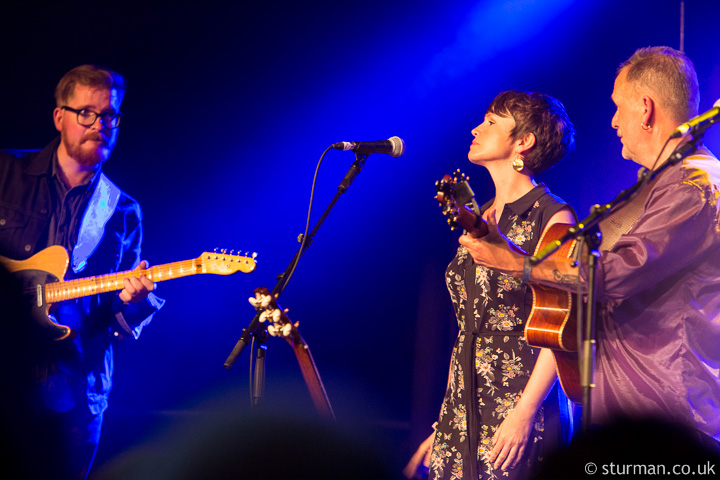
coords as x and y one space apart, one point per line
87 118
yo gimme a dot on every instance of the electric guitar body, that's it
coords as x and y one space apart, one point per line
42 279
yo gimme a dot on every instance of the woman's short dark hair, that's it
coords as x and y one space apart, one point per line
543 116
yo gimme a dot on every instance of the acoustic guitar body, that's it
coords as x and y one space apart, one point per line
553 320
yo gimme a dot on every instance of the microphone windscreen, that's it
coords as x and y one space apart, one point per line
398 146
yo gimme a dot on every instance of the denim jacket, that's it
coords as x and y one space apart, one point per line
76 371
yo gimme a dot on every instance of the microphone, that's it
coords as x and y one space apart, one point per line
699 123
393 146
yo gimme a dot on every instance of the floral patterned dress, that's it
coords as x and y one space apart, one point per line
491 363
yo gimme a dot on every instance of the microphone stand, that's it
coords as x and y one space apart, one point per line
588 231
256 328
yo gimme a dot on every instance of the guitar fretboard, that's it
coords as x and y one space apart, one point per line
81 287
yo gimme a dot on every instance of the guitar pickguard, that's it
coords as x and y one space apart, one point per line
33 286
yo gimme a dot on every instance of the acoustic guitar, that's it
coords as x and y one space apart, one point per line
42 280
281 326
552 321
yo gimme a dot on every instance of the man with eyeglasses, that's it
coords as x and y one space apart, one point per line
59 196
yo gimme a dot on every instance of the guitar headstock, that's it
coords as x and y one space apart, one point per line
279 325
454 193
445 189
223 263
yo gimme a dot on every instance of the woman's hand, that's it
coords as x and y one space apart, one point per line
420 457
511 440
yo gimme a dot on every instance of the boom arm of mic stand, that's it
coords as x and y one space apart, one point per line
355 168
342 188
283 278
600 212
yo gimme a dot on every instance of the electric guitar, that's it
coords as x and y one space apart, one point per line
552 322
281 326
42 280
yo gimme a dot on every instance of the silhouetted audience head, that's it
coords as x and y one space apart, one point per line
257 447
635 448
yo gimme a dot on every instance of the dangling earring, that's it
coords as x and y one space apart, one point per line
518 164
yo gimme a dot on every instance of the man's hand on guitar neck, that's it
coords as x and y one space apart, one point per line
496 251
137 288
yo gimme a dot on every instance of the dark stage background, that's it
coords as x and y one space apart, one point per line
228 108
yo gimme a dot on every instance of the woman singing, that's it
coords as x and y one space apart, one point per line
502 409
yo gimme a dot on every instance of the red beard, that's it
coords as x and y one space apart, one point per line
90 157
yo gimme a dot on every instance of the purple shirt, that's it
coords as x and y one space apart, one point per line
659 332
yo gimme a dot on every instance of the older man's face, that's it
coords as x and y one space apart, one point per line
628 118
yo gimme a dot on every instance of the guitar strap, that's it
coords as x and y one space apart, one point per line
623 219
92 229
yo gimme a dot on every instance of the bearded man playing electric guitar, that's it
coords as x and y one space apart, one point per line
658 332
59 196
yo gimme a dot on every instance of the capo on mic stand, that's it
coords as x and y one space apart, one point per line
257 329
588 233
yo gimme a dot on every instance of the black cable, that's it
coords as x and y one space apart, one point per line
303 241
